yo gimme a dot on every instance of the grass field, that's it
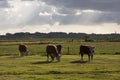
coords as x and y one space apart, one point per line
38 47
105 66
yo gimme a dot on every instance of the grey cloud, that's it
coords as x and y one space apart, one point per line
36 19
102 5
88 18
109 18
109 8
4 4
27 0
64 10
109 12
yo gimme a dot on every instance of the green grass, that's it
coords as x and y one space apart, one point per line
105 67
38 47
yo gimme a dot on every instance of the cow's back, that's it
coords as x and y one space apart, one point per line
22 48
84 49
51 49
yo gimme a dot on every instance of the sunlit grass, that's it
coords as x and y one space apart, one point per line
70 68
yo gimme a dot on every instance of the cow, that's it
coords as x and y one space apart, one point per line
89 50
23 50
59 47
53 51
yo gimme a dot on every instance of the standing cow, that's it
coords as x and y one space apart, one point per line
89 50
23 50
53 51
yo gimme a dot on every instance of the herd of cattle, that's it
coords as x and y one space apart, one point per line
54 51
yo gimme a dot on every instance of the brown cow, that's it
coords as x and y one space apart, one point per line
53 51
23 50
89 50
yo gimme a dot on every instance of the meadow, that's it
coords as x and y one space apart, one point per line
105 66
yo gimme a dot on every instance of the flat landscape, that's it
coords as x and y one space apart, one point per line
64 30
105 65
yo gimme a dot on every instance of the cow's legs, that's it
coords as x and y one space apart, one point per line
91 57
58 58
81 57
21 54
26 53
47 57
88 57
52 58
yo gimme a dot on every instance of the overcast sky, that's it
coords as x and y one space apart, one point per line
86 16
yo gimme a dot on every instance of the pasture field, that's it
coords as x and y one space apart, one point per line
37 47
105 66
35 67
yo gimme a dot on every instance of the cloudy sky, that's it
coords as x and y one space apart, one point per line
86 16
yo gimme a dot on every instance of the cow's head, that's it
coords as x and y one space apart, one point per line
91 50
58 58
59 47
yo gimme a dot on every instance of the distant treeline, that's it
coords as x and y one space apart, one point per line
61 35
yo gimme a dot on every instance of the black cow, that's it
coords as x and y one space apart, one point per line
59 47
89 50
53 51
23 50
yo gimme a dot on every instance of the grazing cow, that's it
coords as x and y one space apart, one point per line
23 50
89 50
53 51
59 47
